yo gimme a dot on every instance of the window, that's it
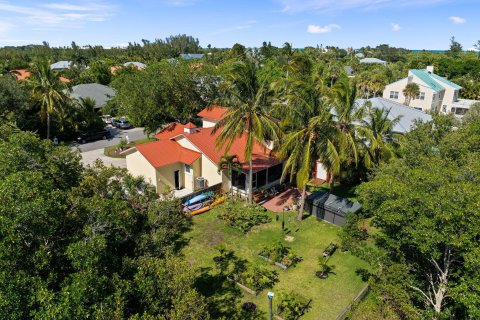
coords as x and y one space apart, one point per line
418 108
261 178
274 173
421 96
394 95
188 168
444 108
238 180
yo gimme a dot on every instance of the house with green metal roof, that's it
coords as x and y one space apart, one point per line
436 93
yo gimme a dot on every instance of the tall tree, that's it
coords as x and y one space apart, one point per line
455 48
378 140
48 91
411 91
308 124
248 112
344 145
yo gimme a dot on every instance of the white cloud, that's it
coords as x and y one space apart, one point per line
179 3
339 5
457 20
58 15
396 27
5 27
313 28
241 26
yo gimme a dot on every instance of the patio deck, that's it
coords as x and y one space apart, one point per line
285 198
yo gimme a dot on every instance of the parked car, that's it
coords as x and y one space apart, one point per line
93 135
123 124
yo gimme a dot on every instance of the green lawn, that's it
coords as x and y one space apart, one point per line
311 237
109 151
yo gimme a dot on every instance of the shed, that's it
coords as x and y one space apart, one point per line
328 207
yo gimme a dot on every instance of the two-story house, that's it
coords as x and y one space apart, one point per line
436 93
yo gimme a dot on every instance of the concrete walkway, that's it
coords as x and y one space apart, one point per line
89 157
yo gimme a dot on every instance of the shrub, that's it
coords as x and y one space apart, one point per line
292 305
257 278
277 252
242 216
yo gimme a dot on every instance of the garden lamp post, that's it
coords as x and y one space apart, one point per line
283 217
270 309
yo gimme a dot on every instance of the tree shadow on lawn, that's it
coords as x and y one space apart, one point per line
222 296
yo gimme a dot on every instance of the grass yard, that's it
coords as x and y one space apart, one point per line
311 237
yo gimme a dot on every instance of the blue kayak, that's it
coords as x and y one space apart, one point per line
199 198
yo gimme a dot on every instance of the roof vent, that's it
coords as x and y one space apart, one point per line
190 128
430 69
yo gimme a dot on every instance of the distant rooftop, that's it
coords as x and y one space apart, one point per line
189 56
100 93
407 115
137 64
61 65
373 60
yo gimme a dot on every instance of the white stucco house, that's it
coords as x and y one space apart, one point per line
437 94
185 159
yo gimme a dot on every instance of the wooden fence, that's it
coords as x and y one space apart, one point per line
359 297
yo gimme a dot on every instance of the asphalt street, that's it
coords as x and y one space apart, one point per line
117 135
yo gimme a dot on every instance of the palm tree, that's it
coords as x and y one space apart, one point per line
308 123
48 90
378 139
84 110
411 91
227 164
248 104
343 147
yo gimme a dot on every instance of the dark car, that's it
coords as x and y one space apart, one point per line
93 135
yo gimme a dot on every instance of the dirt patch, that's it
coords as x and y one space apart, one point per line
289 238
214 238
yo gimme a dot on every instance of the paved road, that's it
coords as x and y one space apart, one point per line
117 135
89 157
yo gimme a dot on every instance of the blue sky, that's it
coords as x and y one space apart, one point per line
413 24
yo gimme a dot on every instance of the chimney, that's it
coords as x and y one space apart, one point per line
190 128
430 69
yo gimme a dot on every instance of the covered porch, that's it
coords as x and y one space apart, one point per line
262 179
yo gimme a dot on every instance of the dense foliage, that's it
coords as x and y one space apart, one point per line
243 216
426 208
86 243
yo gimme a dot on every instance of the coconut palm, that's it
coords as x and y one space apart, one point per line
378 139
343 148
308 123
48 91
248 106
227 164
411 91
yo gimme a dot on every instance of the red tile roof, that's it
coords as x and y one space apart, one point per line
205 141
20 74
213 112
164 152
190 126
172 130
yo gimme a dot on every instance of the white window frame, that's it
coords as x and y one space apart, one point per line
188 169
394 95
421 96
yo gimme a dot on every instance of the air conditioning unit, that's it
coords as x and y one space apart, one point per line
200 183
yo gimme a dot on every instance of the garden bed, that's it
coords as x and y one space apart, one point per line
278 264
243 287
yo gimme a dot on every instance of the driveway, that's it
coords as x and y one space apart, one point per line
117 135
89 157
92 151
